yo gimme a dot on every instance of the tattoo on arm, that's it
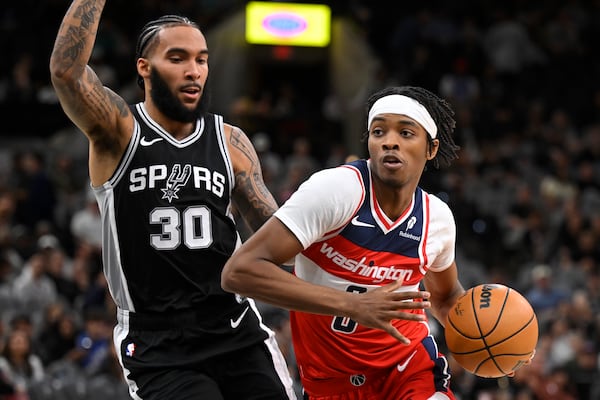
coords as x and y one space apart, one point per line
96 100
253 200
72 43
239 142
71 46
101 103
104 100
88 13
82 94
119 103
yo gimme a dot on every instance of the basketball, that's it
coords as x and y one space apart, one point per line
492 330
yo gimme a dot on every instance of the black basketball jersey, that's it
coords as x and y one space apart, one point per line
168 228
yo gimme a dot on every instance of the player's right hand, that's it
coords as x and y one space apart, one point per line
379 307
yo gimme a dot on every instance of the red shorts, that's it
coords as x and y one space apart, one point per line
424 375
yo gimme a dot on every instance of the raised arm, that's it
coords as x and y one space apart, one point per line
253 201
101 114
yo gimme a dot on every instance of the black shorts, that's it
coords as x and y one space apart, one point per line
175 363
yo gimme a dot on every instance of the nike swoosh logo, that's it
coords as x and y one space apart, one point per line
356 222
402 367
235 323
145 142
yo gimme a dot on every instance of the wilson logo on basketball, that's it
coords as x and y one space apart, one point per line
484 297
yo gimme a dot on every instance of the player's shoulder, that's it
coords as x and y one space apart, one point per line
436 200
336 179
437 206
233 133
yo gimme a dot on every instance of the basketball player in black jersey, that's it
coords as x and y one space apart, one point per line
167 175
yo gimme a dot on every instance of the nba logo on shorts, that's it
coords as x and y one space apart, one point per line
358 380
130 350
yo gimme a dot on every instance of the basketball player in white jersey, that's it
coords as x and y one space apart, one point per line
365 237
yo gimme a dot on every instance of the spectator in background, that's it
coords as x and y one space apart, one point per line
6 277
568 275
35 197
19 364
21 88
97 295
508 45
86 230
564 339
24 323
338 155
543 295
58 333
66 171
459 86
58 268
2 334
107 381
92 343
297 167
583 370
301 158
292 180
8 205
86 224
569 227
556 386
33 289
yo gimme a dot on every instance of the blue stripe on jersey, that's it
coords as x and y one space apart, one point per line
441 372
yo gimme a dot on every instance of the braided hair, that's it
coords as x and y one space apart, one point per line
439 109
148 36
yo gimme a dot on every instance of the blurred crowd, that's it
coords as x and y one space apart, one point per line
523 79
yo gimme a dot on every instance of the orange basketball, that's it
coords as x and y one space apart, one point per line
492 330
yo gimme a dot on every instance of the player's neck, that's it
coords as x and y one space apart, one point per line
393 201
179 130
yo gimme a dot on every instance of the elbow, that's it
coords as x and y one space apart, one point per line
227 283
58 71
232 279
60 78
63 74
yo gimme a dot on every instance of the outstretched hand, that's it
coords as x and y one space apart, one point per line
512 373
378 307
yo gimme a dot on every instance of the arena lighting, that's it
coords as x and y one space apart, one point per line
288 24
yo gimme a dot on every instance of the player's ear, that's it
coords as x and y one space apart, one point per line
143 67
432 148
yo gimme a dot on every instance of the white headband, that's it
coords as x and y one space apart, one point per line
399 104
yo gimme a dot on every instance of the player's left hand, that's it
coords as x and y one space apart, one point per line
512 373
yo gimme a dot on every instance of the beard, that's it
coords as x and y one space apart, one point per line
168 104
